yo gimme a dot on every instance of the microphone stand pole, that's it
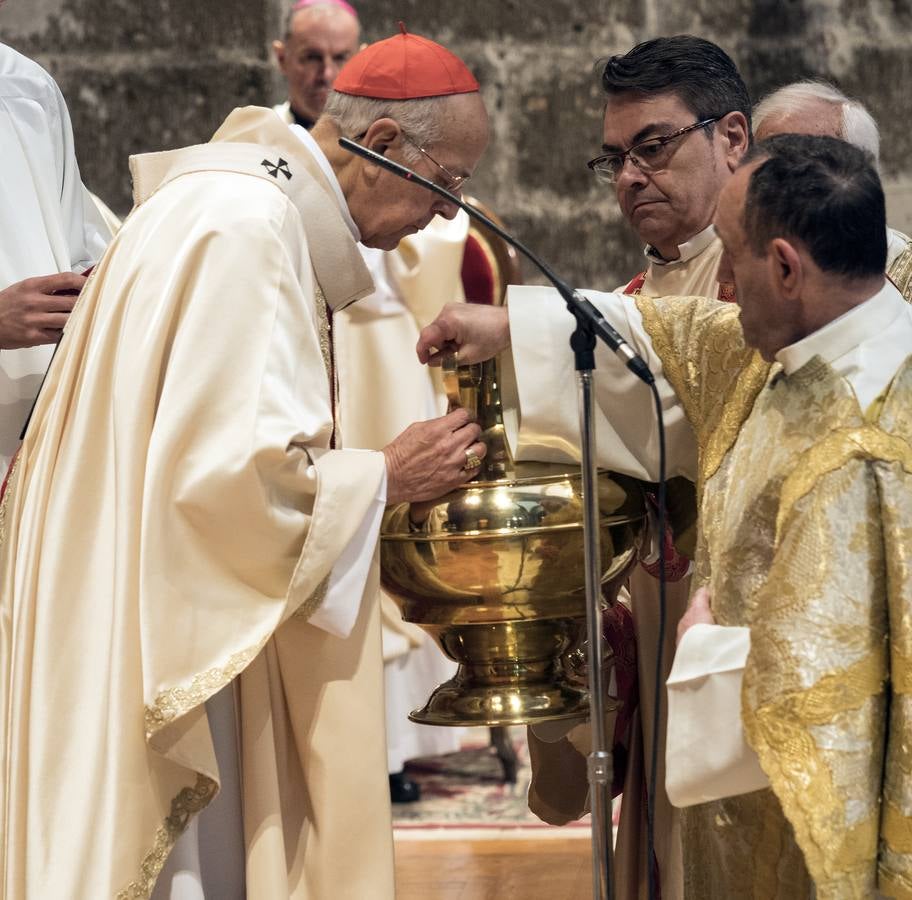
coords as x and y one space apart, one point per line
599 763
590 324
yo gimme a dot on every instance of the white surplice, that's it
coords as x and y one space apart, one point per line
557 796
693 272
48 224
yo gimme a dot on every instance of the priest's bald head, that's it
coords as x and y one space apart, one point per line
320 37
417 103
815 107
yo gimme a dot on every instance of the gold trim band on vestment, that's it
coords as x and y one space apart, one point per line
4 502
175 702
188 803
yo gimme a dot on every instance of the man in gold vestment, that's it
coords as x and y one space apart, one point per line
186 537
802 453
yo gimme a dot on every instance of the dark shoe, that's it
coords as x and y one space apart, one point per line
402 789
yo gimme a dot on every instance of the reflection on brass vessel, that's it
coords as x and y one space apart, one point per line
494 573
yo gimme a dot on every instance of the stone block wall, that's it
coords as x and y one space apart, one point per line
157 74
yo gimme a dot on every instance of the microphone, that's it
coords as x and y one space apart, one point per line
586 314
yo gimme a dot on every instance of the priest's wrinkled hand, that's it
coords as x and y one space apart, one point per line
429 458
477 332
699 612
34 311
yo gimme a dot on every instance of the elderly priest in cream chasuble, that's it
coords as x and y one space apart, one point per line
213 502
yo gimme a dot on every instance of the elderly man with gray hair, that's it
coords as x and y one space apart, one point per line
816 107
221 584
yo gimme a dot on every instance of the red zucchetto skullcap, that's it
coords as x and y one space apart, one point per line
404 67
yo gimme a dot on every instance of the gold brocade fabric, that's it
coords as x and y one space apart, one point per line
826 680
900 273
807 628
715 376
786 466
188 803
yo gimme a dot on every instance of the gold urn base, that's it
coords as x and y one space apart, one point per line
509 674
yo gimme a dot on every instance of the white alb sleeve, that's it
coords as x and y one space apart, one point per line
540 390
339 610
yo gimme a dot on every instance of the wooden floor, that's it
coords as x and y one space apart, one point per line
551 869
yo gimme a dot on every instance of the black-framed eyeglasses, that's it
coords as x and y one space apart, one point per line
453 183
649 156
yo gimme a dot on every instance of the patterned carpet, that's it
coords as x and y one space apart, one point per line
464 795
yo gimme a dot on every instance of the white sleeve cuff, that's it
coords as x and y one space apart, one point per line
339 610
707 755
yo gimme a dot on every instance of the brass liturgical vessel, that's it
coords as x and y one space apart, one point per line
494 572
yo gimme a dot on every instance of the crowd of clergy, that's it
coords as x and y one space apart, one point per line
206 409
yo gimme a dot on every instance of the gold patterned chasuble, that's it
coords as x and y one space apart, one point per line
786 464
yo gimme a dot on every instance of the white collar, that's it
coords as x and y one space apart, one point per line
844 334
317 153
688 250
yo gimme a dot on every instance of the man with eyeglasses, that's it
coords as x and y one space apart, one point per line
677 122
413 282
187 540
676 126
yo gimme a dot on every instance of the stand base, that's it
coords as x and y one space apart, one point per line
455 703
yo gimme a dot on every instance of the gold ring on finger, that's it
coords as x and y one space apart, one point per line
472 461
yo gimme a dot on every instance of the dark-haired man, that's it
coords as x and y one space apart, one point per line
793 418
676 125
677 122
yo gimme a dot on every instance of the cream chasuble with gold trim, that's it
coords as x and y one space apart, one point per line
172 524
